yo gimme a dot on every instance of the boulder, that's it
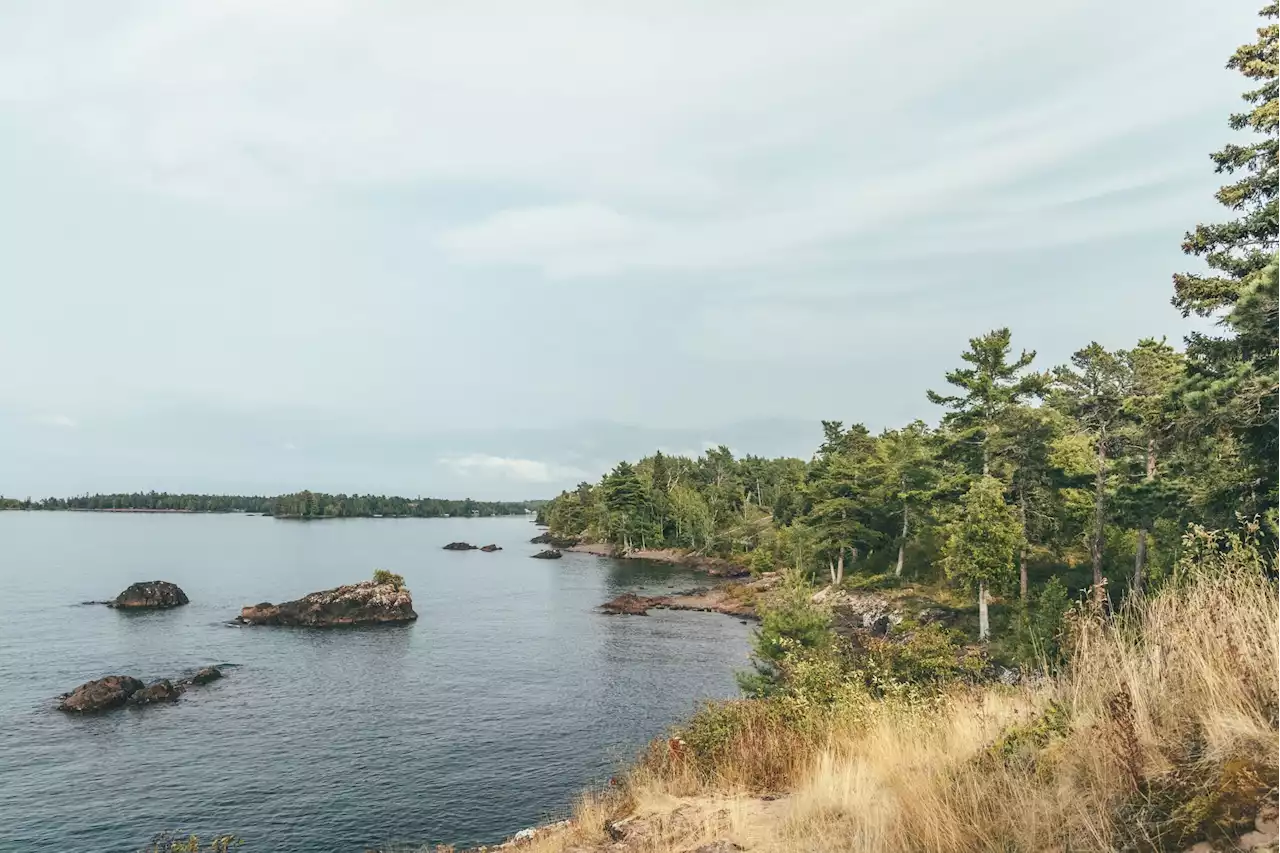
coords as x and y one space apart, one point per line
150 595
366 603
100 695
459 546
161 691
628 604
204 676
489 549
551 554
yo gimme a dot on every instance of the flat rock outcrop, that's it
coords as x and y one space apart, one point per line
550 554
365 603
489 549
459 546
146 595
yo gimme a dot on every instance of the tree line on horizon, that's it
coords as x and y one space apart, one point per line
304 504
1036 480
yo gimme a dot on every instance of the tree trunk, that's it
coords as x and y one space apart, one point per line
840 568
1140 562
1099 517
984 624
902 546
1022 553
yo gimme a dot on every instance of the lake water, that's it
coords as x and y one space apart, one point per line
510 693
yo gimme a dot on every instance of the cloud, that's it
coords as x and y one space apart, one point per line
60 421
522 470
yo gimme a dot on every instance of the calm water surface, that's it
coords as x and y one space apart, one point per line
510 693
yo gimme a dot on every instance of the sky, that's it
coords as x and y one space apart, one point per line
488 249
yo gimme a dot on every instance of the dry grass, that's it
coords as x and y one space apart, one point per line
1163 731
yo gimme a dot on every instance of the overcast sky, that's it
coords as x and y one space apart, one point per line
486 249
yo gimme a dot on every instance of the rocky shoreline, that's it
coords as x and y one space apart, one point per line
736 598
714 566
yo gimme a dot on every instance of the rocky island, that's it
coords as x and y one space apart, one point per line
382 601
149 595
459 546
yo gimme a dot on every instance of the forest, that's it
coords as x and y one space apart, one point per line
1036 482
304 504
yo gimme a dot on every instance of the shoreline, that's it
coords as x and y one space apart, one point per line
714 566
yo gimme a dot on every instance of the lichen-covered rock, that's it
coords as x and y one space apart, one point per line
366 603
551 554
150 595
100 694
161 691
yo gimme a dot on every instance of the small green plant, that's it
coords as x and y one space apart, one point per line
382 576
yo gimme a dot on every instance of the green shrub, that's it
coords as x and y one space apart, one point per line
382 576
788 622
1039 627
916 665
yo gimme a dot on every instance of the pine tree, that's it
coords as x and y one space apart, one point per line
979 548
991 386
1245 245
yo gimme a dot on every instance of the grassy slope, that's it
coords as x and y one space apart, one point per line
1162 732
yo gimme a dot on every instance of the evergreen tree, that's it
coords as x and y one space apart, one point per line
990 386
1243 246
1092 390
979 548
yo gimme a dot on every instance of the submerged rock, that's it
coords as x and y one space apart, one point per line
366 603
150 594
161 691
459 546
551 554
100 694
490 548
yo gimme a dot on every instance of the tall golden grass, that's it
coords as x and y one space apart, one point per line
1160 732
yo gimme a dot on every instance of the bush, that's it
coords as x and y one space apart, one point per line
382 576
788 622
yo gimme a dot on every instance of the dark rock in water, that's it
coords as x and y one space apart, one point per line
204 676
554 541
548 555
628 604
460 546
490 548
150 594
366 603
161 691
100 695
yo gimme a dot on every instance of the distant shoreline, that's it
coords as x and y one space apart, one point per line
247 512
